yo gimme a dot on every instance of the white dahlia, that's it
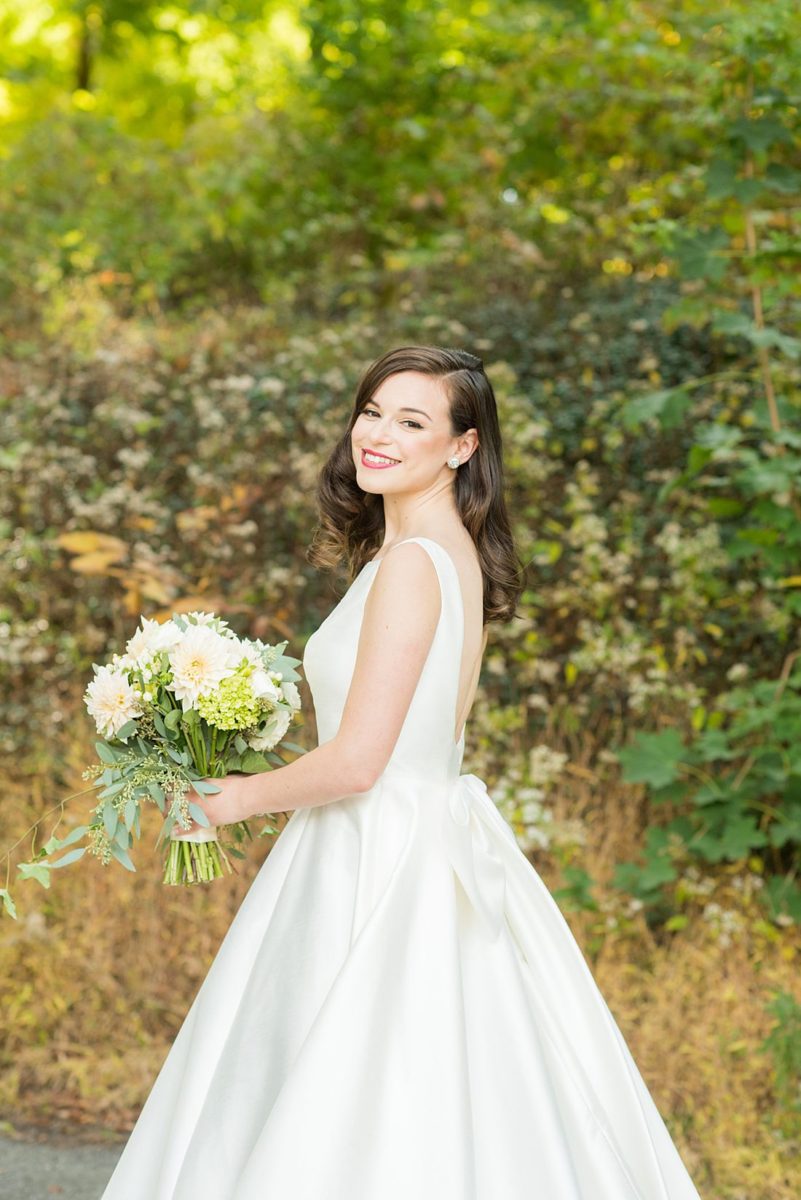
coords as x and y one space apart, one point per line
199 663
111 701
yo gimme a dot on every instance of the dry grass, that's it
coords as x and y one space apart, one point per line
98 973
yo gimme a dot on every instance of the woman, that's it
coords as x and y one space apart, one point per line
399 1011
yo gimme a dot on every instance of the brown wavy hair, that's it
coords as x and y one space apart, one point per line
351 521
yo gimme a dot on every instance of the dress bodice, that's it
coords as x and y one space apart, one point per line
425 744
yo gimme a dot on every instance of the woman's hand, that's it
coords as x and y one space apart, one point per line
225 807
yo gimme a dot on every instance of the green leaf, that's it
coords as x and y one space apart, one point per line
723 183
253 762
205 789
173 718
112 789
577 892
8 904
198 814
652 758
697 459
34 870
737 324
760 133
698 254
733 839
787 828
668 406
71 857
130 812
122 856
74 835
110 819
295 747
723 507
240 743
781 178
783 895
677 921
712 745
157 793
105 752
126 730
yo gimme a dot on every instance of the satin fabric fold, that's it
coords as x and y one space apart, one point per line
470 828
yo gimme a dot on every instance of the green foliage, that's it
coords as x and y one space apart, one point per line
738 786
783 1044
603 199
576 893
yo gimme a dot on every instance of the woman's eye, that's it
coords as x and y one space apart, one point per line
366 412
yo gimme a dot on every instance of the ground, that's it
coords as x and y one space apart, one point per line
38 1165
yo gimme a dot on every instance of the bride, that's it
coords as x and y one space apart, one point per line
399 1010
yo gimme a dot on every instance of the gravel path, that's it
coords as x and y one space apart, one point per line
57 1167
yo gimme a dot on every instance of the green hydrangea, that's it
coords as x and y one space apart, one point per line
232 705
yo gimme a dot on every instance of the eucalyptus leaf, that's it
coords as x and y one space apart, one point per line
205 789
295 748
73 836
122 856
113 788
71 857
197 813
157 792
110 819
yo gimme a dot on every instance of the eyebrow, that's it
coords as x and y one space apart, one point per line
417 410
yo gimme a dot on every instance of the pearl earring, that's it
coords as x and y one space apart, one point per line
453 462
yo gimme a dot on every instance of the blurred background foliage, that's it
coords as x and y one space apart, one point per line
212 217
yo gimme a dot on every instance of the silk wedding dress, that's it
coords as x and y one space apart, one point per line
399 1010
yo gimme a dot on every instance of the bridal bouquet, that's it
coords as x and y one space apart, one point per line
187 702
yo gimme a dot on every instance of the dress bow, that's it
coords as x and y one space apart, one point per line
471 828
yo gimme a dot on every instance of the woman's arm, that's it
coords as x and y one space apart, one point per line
399 622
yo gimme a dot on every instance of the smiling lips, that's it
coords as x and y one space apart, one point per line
377 461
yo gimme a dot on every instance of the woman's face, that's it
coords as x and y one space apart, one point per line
406 421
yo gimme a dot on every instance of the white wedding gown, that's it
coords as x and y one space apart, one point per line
399 1010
